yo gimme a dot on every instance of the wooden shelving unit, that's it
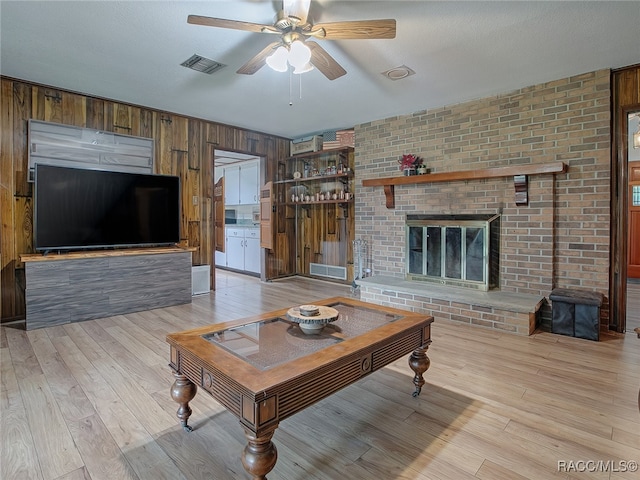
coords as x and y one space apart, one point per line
318 232
389 183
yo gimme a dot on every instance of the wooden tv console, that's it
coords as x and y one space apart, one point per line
76 286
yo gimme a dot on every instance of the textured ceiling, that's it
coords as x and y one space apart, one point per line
131 51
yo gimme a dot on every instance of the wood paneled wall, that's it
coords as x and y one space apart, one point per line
626 98
183 146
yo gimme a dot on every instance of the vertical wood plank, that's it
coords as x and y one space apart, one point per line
145 126
180 139
7 251
179 167
95 113
163 143
22 98
194 140
52 100
207 227
194 239
37 103
23 228
6 136
206 234
121 118
74 109
226 138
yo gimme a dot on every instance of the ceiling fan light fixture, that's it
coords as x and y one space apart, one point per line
278 60
299 54
304 69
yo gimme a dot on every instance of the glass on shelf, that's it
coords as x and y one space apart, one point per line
305 195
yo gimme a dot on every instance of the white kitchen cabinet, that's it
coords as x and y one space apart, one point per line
243 249
235 248
249 183
252 250
241 184
232 185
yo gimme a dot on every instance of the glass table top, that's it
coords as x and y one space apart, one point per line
278 340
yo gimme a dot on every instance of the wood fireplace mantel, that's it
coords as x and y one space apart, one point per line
511 171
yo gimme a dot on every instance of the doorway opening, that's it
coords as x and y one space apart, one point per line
633 219
237 179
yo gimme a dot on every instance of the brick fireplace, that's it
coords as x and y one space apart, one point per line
559 238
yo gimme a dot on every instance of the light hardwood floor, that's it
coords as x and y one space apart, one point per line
91 401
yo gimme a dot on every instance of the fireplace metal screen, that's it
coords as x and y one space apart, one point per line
461 250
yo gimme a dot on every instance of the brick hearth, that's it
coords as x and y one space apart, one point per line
512 312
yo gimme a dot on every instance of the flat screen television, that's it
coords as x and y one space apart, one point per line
79 209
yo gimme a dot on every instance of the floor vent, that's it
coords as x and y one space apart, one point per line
200 279
329 271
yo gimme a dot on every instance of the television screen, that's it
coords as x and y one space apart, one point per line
81 209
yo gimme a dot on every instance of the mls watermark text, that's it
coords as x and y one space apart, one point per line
581 466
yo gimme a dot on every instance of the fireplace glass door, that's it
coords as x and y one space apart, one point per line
454 253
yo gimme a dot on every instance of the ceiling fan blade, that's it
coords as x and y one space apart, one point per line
358 29
258 61
324 62
232 24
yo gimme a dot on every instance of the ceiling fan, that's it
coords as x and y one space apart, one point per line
294 47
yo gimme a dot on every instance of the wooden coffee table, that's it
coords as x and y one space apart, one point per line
264 369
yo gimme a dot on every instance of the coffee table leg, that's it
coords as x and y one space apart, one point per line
419 363
260 454
182 391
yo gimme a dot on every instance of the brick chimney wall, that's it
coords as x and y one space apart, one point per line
561 238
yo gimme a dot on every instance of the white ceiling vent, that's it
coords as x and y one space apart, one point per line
201 64
398 73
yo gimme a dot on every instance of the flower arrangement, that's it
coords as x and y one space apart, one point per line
409 161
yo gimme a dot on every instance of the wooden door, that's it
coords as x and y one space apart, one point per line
266 218
633 266
218 215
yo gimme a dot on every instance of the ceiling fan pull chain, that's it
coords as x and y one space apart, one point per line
300 86
290 87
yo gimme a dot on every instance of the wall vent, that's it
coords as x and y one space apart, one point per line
202 64
329 271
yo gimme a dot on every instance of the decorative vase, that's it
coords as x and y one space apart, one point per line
409 171
421 169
